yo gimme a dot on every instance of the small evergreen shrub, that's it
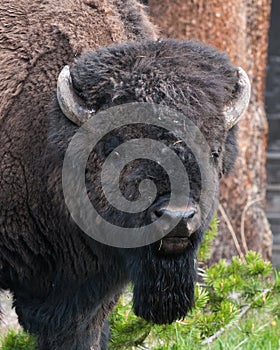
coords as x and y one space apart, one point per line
17 340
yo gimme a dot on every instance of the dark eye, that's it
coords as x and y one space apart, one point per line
215 155
215 152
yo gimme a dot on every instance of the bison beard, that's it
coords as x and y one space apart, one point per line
163 285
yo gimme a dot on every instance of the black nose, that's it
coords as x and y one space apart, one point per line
185 214
189 218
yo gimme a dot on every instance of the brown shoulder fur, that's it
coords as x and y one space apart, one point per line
30 30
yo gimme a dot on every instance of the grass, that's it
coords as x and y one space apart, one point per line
17 340
259 330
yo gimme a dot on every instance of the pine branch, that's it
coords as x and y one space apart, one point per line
242 313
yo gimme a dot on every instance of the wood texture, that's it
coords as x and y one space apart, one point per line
240 28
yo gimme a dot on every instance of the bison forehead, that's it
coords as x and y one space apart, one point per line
121 135
191 77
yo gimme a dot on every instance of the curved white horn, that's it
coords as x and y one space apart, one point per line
71 105
237 107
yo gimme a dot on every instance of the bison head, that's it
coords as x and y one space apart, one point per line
194 80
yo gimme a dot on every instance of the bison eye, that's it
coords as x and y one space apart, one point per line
215 153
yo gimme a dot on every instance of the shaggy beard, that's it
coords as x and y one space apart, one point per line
163 285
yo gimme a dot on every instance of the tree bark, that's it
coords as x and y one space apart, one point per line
240 28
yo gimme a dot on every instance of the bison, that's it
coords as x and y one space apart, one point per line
64 282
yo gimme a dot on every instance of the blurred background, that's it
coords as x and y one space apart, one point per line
272 99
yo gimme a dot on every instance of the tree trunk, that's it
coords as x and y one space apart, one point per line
240 28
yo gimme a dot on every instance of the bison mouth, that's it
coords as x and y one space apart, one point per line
174 245
187 218
177 241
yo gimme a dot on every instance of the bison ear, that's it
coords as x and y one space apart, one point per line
72 106
235 110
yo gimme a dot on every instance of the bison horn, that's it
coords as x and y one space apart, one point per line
70 103
237 107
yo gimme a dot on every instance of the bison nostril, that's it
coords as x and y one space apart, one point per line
186 219
189 214
158 212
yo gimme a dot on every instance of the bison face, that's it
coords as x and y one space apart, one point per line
194 212
200 83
